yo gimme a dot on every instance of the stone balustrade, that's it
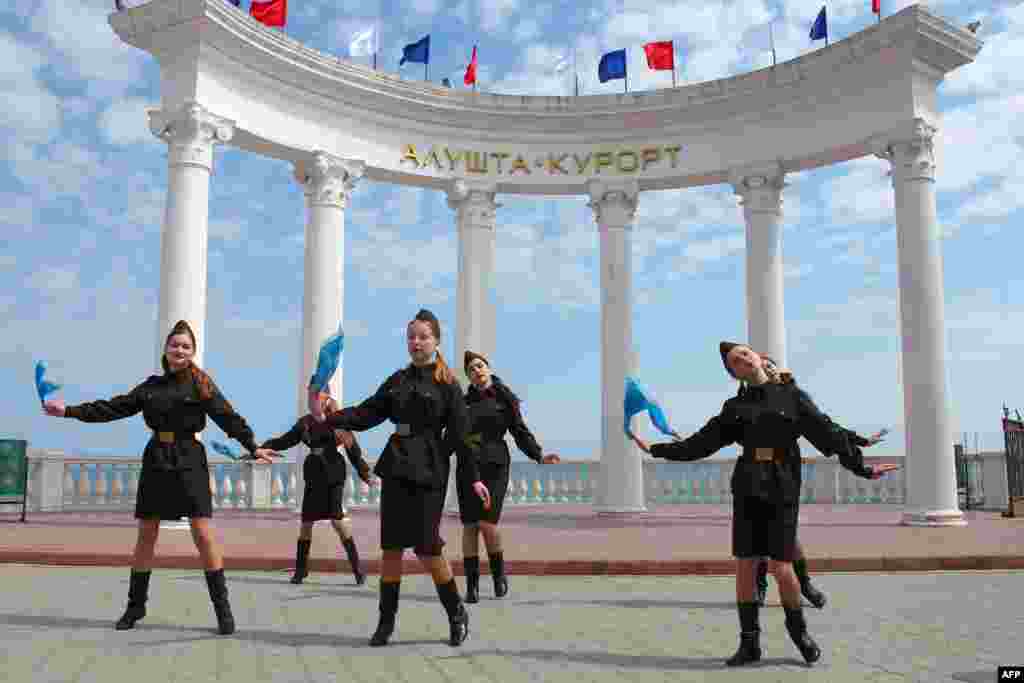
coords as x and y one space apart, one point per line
60 482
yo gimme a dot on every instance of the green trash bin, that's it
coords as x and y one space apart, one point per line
14 473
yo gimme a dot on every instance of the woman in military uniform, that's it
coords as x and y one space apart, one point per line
766 420
324 472
175 477
493 411
807 589
426 405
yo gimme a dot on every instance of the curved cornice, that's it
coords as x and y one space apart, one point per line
228 62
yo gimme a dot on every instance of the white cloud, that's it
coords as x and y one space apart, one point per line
54 281
124 122
78 30
30 110
495 13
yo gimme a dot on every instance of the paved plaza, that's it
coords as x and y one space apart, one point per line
56 624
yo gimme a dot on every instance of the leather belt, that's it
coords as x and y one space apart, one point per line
762 454
171 437
319 450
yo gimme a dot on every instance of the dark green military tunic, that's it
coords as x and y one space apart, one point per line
766 421
175 477
430 424
324 470
493 412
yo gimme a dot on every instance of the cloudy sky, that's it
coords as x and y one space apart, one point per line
84 182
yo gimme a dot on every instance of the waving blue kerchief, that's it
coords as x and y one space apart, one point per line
225 449
327 361
637 401
43 387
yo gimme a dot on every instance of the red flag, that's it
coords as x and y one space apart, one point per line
876 6
660 56
271 12
470 77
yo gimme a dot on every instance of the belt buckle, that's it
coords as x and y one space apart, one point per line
764 454
317 451
165 437
403 429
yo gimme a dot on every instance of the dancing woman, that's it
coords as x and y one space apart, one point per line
766 420
324 472
175 477
808 589
426 405
493 411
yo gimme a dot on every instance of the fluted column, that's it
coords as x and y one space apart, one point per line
190 133
930 465
760 192
475 209
328 182
622 484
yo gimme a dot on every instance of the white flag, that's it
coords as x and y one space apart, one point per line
364 43
562 62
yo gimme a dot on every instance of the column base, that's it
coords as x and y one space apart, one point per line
933 518
619 510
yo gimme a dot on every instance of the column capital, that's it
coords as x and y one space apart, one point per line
759 186
910 148
190 131
613 202
474 201
329 180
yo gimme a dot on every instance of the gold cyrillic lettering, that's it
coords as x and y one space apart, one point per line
621 167
672 151
581 166
476 162
650 155
409 154
602 159
519 164
452 158
499 156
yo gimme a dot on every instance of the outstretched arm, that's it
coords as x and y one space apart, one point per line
225 417
287 440
829 438
368 414
711 438
524 438
116 408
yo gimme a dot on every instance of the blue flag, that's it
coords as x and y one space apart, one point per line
612 66
820 28
236 3
418 52
226 450
446 82
636 401
327 361
43 388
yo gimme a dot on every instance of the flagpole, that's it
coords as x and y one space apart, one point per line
426 71
771 37
673 73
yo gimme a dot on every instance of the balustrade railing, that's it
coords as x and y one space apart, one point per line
59 482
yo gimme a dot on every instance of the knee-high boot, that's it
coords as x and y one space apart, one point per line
388 610
807 589
471 565
750 635
219 596
353 559
497 562
301 561
761 589
797 628
138 592
458 617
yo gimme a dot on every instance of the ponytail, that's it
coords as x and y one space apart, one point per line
442 373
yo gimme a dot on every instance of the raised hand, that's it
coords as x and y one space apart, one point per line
316 408
54 407
879 471
265 455
550 459
641 444
877 437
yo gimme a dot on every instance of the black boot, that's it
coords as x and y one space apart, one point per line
750 635
353 559
761 588
471 565
219 596
138 591
807 589
458 617
797 628
388 610
497 561
301 561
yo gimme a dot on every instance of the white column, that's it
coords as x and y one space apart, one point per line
475 209
930 467
760 191
622 478
328 182
190 133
